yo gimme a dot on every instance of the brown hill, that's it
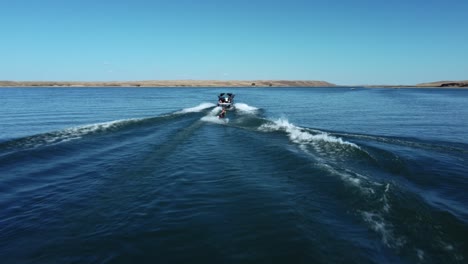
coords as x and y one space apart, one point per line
444 84
171 83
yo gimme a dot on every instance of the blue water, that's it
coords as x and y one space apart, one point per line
293 175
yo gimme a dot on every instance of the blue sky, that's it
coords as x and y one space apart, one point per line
343 42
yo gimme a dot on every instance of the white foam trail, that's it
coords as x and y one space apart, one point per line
214 119
320 142
212 116
386 204
378 224
77 132
307 137
88 129
197 108
302 136
215 111
420 254
353 179
245 108
74 133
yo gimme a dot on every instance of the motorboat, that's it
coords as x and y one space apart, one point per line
226 101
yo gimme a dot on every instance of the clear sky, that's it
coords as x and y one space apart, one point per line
340 41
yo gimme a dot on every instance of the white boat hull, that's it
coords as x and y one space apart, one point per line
228 106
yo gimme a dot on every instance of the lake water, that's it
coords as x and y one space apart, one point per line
293 175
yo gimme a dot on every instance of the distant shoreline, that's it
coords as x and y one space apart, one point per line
170 83
217 83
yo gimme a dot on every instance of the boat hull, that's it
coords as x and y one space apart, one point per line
227 106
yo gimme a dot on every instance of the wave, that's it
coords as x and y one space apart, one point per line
68 134
368 198
385 229
302 136
440 146
196 109
215 119
78 132
327 152
245 108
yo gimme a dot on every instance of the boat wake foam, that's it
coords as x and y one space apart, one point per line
196 109
66 135
245 108
323 147
302 136
212 117
78 132
215 119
